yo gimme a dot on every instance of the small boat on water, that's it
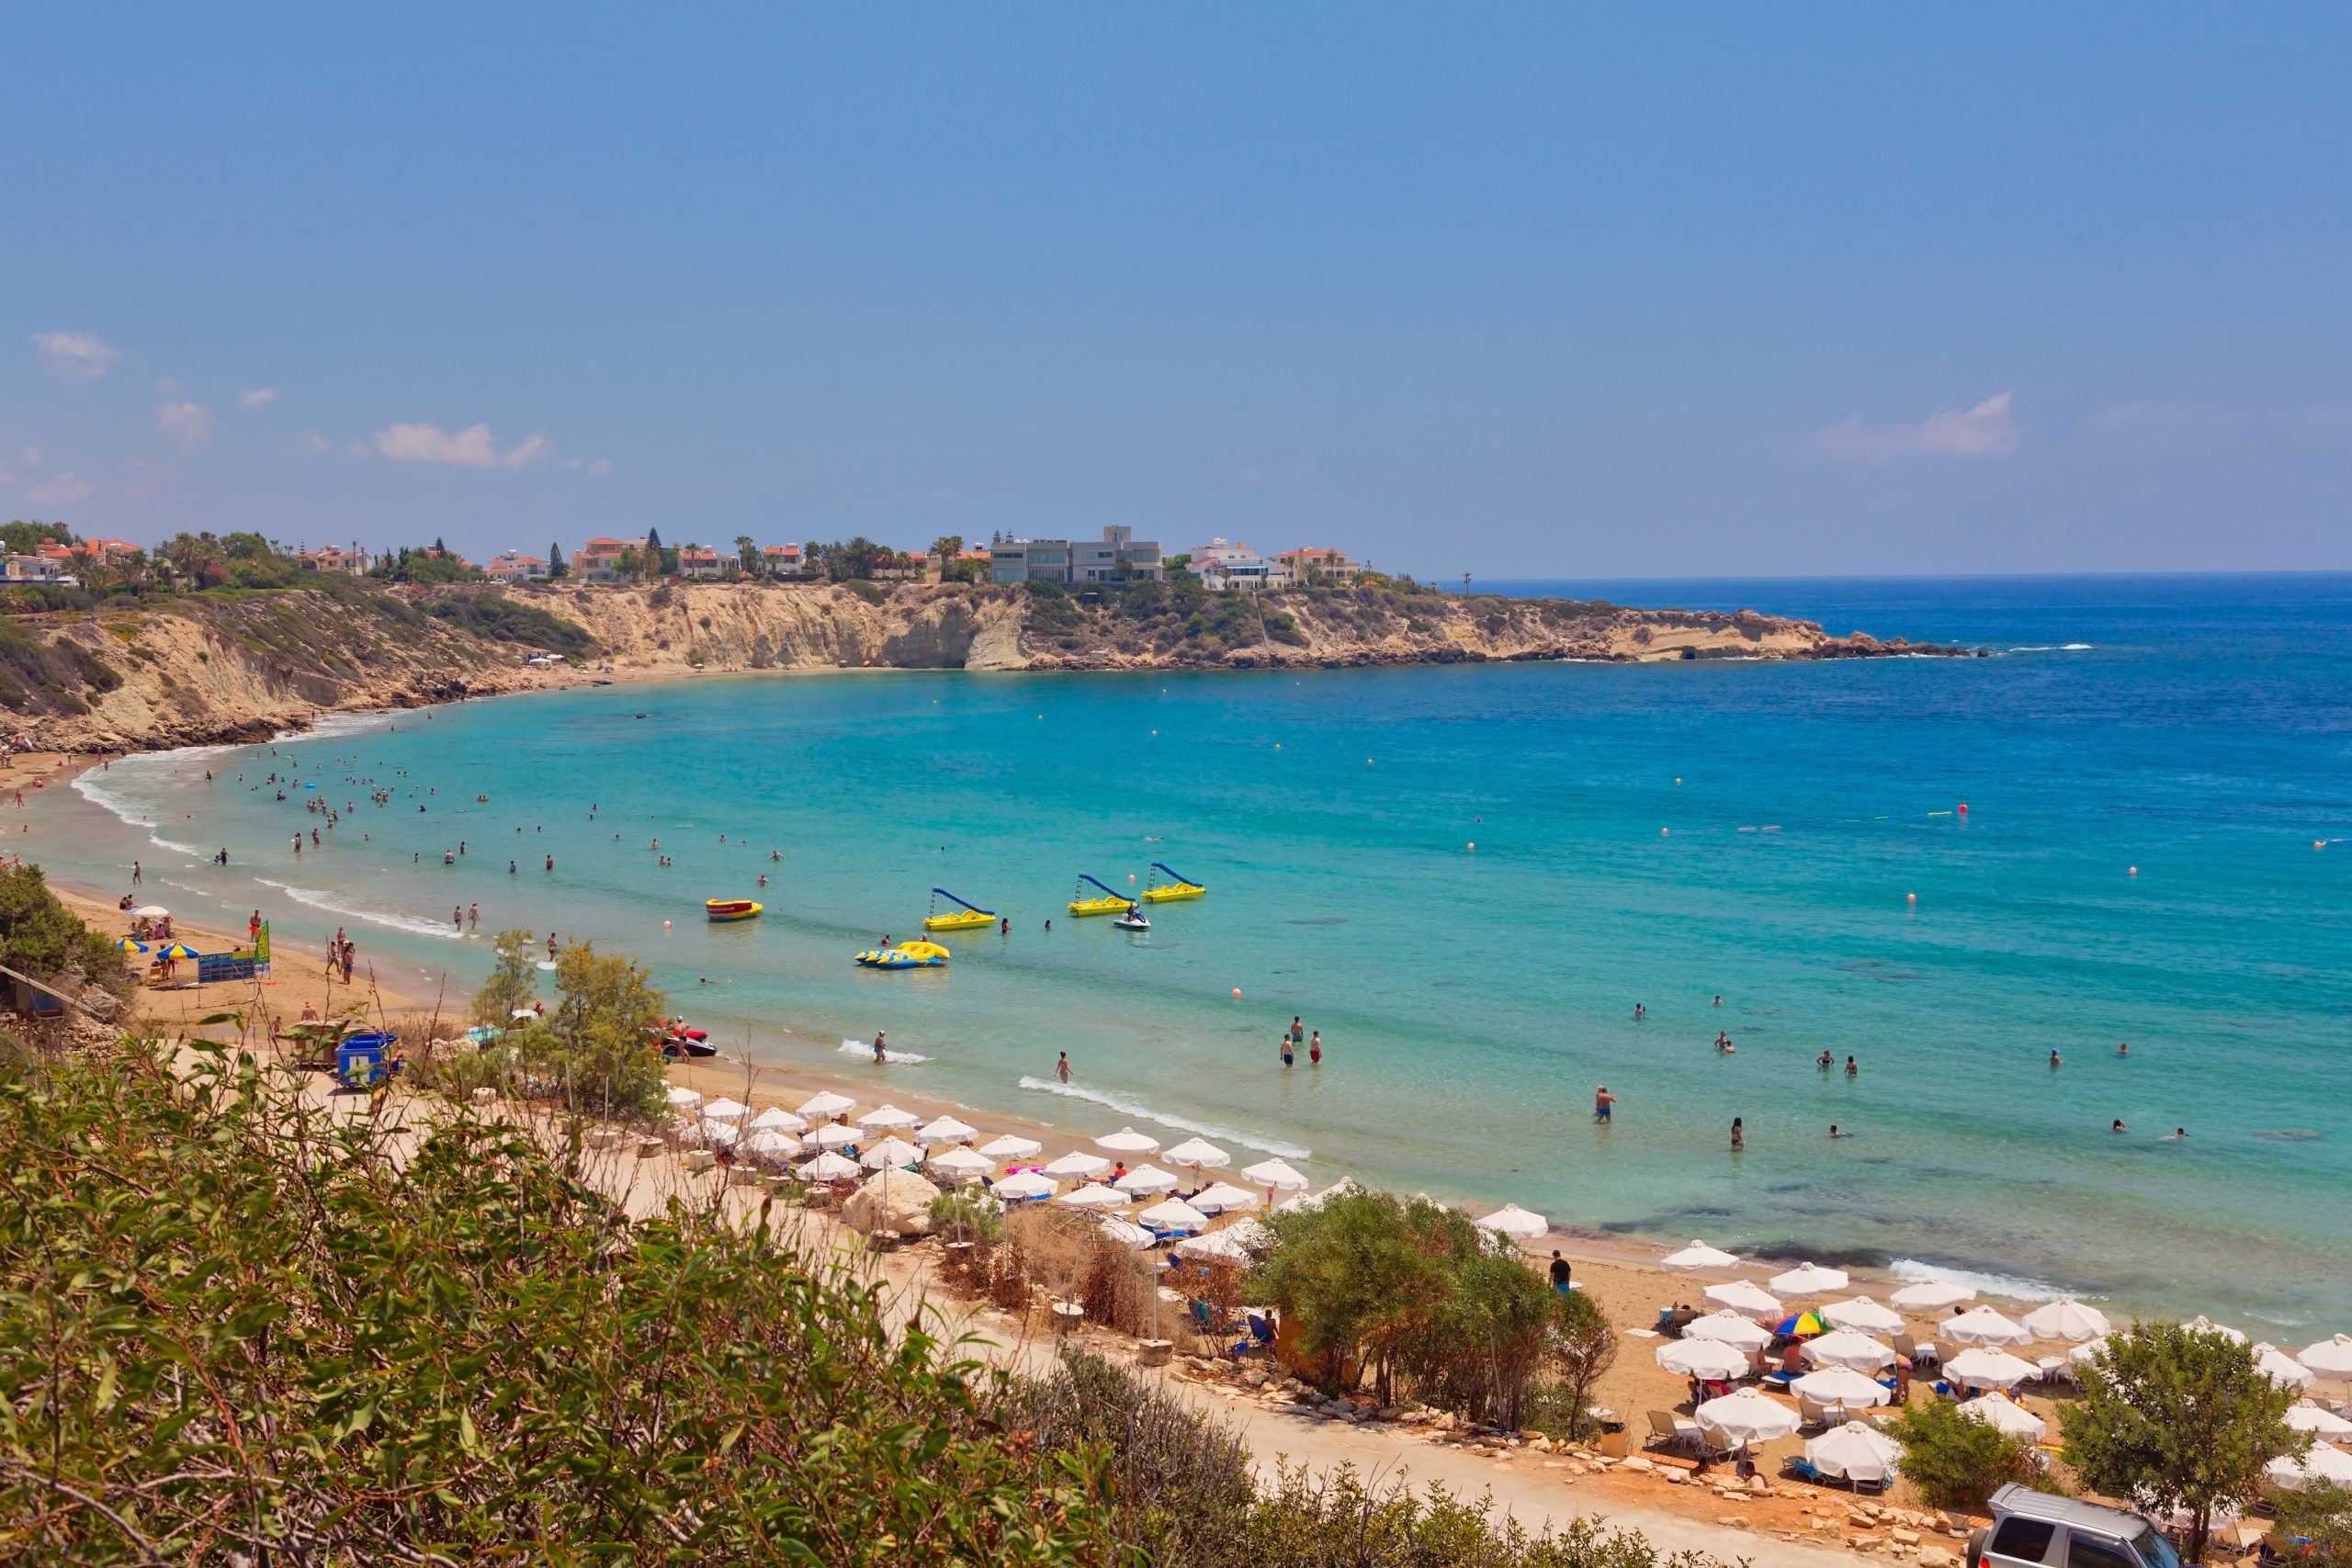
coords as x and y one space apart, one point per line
961 916
732 908
1108 903
1133 920
906 955
1178 885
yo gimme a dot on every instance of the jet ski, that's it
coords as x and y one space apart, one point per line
1132 921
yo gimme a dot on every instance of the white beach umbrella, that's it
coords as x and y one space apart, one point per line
2317 1419
1981 1367
1197 1153
1842 1386
717 1135
836 1135
1027 1184
1294 1205
1703 1358
2324 1462
889 1119
2281 1368
894 1153
1728 1327
1857 1451
1931 1295
825 1105
1077 1165
2066 1318
1863 1314
1846 1347
2204 1325
769 1145
1696 1257
775 1118
1010 1148
684 1097
828 1166
2005 1415
522 1013
1982 1325
152 912
1126 1232
1127 1141
1745 1416
1095 1197
2330 1358
1223 1196
1274 1174
946 1130
1147 1180
1232 1243
725 1110
1743 1295
2083 1355
1173 1214
1808 1280
960 1164
1513 1221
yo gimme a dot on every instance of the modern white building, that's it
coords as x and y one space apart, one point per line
1120 556
1221 565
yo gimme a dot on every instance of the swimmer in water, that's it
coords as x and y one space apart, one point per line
1824 1061
1850 1068
2117 1126
1836 1133
1640 1012
2053 1058
2123 1048
1738 1137
2174 1137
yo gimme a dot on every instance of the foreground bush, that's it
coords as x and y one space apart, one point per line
226 1324
1956 1461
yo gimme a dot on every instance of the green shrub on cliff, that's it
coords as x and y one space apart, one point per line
41 937
231 1325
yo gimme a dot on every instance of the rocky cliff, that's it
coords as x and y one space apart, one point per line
206 668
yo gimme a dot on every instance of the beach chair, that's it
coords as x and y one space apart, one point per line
1919 1354
1670 1430
1794 1467
1814 1413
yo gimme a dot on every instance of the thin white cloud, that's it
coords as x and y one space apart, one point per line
75 356
1987 430
472 447
61 489
600 468
189 423
29 457
318 442
255 399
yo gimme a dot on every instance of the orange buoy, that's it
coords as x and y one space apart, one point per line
1910 897
1662 832
2135 871
1236 993
665 925
1963 808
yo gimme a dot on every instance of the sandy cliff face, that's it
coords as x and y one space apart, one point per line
210 670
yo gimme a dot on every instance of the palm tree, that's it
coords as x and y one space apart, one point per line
748 554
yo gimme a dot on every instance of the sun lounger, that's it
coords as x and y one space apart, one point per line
1814 1413
1673 1431
1919 1354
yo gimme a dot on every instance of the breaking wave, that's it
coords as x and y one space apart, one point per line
334 906
1139 1112
865 1048
1910 1270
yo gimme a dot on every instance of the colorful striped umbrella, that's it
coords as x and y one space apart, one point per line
128 945
1802 1326
178 950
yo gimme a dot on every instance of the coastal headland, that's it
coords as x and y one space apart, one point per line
220 668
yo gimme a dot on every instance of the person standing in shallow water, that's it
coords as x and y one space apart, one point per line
1315 1050
1738 1137
1288 1056
1061 1068
1604 1104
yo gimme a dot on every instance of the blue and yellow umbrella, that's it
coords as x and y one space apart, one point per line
130 945
1802 1326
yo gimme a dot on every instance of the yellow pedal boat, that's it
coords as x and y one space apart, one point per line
1110 903
1177 886
960 917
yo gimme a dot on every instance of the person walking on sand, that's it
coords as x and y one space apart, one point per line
1603 1104
348 954
1561 1280
1315 1050
1061 1068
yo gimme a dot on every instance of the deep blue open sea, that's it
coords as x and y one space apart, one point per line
1787 836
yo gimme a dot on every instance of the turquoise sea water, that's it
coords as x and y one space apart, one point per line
1658 834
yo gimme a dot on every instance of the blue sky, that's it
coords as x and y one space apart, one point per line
1517 290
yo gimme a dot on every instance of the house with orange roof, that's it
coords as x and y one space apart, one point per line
1305 563
511 566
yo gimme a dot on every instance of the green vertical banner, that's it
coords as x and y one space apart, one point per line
261 948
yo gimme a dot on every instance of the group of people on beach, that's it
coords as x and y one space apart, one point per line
341 953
